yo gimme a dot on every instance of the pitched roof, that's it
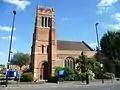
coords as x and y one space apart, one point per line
73 45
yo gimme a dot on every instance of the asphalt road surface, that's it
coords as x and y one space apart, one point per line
106 86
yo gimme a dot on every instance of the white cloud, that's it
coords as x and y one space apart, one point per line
6 28
116 16
104 5
93 45
114 26
7 38
64 19
20 4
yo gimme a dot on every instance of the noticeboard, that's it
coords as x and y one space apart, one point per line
61 72
12 73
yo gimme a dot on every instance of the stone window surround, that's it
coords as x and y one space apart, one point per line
69 60
40 21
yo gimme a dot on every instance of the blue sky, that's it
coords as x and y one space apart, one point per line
75 20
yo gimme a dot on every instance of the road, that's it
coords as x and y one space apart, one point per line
106 86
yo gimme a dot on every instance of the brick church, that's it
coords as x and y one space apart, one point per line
48 52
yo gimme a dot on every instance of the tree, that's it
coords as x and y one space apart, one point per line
81 60
20 59
110 45
2 68
2 65
70 74
85 63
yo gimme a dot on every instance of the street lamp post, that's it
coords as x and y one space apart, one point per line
101 65
97 35
9 54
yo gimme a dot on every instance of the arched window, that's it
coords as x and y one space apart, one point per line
66 63
69 62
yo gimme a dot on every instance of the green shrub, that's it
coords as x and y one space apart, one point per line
82 76
1 75
98 75
77 76
61 79
70 78
27 77
70 74
54 79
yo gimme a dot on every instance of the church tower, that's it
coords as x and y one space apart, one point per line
44 46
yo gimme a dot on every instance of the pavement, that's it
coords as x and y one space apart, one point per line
67 86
